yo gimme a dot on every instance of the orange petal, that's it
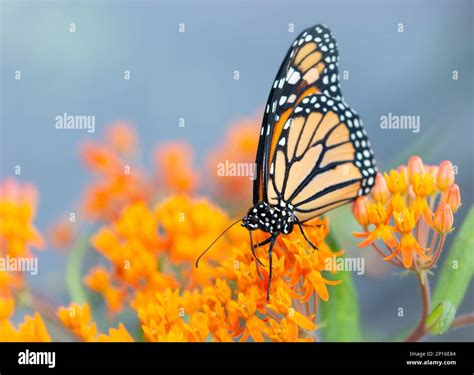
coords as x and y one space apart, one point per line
301 320
393 255
322 291
407 255
369 240
361 235
388 237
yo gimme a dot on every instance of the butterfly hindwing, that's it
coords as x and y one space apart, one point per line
323 158
310 67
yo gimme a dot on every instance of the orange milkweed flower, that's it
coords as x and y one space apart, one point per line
61 234
378 217
190 225
174 168
307 266
7 308
119 334
33 329
119 182
17 211
131 244
360 210
284 331
282 304
445 176
380 192
78 319
443 218
423 186
10 281
198 327
415 167
254 326
98 280
8 333
405 222
121 138
231 166
396 181
416 190
452 196
99 158
157 333
105 199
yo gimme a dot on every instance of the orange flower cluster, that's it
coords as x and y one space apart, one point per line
120 182
174 169
17 210
410 210
78 319
32 329
225 298
152 253
17 236
131 244
232 164
17 233
150 248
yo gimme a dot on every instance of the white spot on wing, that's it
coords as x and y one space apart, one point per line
295 77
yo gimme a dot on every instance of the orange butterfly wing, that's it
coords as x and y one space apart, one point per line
309 67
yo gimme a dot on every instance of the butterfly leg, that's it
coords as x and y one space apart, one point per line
306 238
253 247
264 242
272 243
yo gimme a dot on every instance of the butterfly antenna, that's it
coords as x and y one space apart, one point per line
213 242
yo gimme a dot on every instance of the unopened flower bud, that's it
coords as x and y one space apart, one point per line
360 209
453 197
443 218
445 177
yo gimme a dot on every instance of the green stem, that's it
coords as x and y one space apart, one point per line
463 320
420 329
75 287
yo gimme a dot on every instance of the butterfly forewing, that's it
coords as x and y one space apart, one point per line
309 67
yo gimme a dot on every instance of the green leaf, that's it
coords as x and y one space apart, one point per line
340 314
441 318
342 222
458 268
75 287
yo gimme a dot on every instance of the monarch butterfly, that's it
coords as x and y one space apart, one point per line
313 153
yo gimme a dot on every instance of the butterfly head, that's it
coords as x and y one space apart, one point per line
269 218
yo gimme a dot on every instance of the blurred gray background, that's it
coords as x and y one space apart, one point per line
190 75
